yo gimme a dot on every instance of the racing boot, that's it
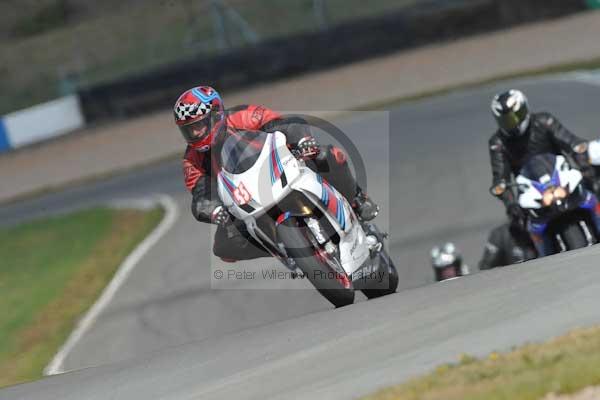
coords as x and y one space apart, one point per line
364 207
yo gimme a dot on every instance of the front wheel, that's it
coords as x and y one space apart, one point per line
334 286
573 236
389 283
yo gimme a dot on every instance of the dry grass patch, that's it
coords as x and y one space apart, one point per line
562 365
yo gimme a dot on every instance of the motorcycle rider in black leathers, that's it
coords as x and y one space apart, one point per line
521 135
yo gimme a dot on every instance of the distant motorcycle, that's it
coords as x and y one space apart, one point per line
447 263
301 219
563 215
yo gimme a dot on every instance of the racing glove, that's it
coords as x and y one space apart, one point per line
586 157
307 148
205 207
582 159
516 215
220 216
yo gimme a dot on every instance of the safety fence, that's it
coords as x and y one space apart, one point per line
423 23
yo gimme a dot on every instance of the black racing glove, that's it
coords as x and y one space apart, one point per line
220 216
516 215
589 171
582 159
307 148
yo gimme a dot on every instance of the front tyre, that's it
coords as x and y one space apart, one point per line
573 237
389 284
335 287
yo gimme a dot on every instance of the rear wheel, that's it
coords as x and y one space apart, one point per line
334 286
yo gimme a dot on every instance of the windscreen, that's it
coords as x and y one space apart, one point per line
538 166
241 150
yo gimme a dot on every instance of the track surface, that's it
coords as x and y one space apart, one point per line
440 174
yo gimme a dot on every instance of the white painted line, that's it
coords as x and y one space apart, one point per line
588 77
171 213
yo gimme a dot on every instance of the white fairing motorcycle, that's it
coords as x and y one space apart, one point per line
299 218
562 214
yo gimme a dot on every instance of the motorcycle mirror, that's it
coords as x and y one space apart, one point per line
498 189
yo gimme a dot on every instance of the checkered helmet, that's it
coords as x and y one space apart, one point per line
199 113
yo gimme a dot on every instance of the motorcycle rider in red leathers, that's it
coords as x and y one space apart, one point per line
201 117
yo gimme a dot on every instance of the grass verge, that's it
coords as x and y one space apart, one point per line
562 365
52 271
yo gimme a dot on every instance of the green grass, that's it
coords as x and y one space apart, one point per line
51 271
563 365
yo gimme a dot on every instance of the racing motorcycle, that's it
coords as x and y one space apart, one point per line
562 214
302 220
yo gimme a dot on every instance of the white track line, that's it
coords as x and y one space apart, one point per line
171 213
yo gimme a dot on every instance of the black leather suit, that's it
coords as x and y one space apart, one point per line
545 135
510 243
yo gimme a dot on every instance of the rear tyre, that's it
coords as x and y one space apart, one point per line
389 284
573 237
318 272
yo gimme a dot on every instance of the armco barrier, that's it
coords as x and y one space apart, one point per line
4 143
40 122
426 22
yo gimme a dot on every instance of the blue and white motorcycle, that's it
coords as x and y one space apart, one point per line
562 214
301 219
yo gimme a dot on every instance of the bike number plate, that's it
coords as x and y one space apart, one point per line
241 195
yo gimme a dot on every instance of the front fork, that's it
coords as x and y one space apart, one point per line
592 204
544 245
375 237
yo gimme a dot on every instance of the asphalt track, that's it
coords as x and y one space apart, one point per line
290 343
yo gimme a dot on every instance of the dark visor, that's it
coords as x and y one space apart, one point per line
512 120
196 131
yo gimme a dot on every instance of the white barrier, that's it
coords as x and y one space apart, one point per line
41 122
